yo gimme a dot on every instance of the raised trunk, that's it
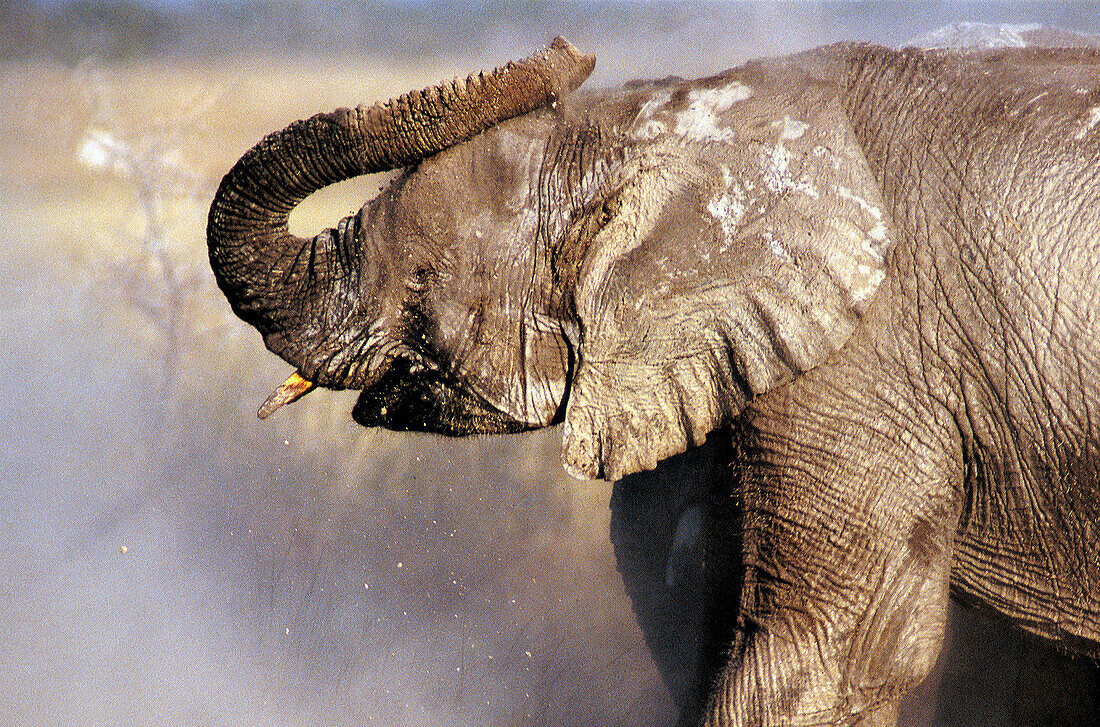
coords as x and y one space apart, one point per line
303 295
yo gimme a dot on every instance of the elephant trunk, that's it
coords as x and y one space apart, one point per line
302 295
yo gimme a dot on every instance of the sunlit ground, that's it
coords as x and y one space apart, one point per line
167 559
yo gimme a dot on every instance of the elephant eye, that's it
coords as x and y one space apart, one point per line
417 281
593 218
608 210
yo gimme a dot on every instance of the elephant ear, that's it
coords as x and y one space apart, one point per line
734 250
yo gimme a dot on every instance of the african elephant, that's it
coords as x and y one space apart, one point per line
848 293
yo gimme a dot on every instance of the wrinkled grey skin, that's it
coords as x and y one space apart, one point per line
868 275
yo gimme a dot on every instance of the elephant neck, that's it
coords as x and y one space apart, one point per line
894 107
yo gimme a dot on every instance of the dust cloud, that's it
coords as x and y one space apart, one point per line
167 559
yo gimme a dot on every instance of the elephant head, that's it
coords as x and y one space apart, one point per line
636 263
348 308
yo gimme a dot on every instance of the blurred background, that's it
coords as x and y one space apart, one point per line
165 558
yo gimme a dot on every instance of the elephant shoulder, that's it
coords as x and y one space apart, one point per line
1067 70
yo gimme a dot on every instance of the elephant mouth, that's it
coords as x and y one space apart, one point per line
473 396
410 390
426 400
419 402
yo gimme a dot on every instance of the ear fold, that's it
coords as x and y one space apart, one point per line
736 250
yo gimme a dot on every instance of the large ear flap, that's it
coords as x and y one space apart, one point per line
732 252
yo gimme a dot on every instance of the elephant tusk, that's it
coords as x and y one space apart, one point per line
293 389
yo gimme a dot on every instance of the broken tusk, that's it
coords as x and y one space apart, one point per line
293 389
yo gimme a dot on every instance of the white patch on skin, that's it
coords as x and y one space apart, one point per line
1090 123
860 279
645 126
876 233
729 207
700 119
791 129
728 211
1016 112
873 281
724 97
861 268
777 175
648 130
701 124
776 247
1036 97
656 102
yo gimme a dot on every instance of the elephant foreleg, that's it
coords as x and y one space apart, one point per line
832 667
848 525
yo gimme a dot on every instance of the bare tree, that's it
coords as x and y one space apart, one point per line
156 276
154 271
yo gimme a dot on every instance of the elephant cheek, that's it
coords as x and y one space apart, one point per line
528 381
535 401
